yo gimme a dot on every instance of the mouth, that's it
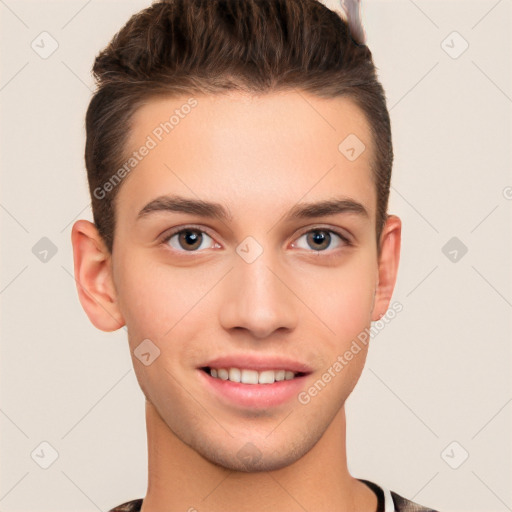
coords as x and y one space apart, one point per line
258 388
249 376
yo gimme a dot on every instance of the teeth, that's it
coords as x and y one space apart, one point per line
223 374
251 376
234 375
267 377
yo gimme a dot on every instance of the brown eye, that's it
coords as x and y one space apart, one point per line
188 239
321 239
318 240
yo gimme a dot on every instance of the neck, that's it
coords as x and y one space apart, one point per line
179 479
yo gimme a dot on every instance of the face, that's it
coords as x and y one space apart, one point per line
257 281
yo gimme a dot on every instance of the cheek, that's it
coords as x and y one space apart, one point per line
156 302
152 297
146 305
341 297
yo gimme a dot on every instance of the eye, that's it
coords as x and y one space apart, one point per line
189 239
320 239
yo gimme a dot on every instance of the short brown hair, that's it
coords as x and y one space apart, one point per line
177 47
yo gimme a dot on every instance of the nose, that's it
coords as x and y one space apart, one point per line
258 297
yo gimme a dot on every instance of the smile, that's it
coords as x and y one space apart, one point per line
249 388
246 376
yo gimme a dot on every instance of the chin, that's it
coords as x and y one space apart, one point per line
252 454
249 459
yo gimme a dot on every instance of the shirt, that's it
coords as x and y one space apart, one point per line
387 501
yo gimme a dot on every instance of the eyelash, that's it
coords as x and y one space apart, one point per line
343 238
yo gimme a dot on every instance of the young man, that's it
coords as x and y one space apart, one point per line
239 159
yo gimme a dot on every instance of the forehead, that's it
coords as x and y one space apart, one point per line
250 152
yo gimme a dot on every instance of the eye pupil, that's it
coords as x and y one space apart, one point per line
190 238
319 237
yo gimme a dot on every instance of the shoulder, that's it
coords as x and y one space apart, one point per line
129 506
404 505
389 501
401 505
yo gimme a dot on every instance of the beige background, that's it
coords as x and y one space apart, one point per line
440 372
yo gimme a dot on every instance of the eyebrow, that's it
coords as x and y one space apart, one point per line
185 205
216 210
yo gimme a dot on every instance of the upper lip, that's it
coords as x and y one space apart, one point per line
258 362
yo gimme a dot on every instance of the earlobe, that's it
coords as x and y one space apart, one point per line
387 266
93 277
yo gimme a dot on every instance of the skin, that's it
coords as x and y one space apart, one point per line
259 156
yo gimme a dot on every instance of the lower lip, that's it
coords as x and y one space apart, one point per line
254 395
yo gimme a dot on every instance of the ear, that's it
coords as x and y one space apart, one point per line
388 265
93 276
